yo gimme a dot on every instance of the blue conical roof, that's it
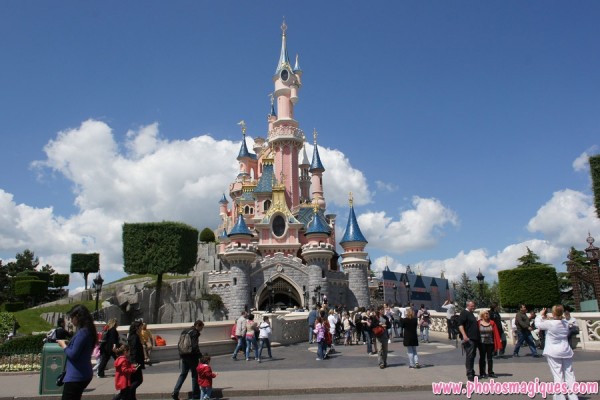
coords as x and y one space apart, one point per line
316 164
240 227
244 153
265 182
284 58
317 225
223 199
353 233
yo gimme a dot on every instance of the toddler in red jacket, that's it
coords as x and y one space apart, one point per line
205 377
123 371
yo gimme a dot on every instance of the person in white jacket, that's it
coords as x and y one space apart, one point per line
557 351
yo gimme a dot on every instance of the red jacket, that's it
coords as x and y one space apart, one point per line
205 375
123 371
496 335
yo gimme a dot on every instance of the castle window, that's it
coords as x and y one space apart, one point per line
267 205
234 281
247 210
278 225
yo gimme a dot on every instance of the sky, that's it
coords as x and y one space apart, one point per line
461 128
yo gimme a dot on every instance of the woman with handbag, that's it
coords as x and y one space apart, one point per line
78 352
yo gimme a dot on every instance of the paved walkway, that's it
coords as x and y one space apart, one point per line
294 371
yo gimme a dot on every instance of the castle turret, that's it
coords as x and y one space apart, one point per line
317 169
240 253
304 177
355 262
317 252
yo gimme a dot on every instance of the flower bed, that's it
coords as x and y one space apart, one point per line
15 362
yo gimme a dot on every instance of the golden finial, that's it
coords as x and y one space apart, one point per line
315 206
240 209
283 26
242 123
315 135
350 199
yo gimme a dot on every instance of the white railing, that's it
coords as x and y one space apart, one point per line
589 327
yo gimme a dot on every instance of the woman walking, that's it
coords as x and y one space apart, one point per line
411 338
557 351
108 345
79 353
136 356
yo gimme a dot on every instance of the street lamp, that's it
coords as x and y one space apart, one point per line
480 279
98 281
407 286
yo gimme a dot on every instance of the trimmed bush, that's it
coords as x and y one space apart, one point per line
22 344
207 236
60 280
39 275
33 288
534 286
14 307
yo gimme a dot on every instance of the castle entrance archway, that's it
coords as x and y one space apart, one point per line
278 294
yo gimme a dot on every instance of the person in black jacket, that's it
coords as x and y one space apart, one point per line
189 362
61 332
108 345
136 356
469 331
497 318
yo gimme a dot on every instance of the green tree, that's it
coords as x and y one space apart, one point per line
85 264
207 236
4 284
158 248
464 291
531 282
25 261
595 172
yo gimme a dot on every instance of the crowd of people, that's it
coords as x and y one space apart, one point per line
374 327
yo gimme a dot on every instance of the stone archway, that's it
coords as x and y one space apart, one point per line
283 294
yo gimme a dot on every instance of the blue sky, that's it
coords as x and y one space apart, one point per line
462 128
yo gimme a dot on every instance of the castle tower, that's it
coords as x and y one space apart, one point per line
355 262
285 138
304 178
317 169
240 253
317 252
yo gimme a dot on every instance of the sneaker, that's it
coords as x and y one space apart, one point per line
417 366
259 361
389 340
381 366
319 359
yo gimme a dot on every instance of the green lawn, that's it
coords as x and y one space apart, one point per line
31 321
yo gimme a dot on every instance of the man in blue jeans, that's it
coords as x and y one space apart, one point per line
524 329
189 362
312 318
240 334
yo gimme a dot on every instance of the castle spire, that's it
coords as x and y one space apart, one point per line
353 233
244 153
284 59
316 164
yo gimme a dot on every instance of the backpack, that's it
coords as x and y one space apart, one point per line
51 336
185 342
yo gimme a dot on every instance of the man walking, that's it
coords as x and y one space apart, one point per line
189 359
524 329
240 334
450 311
468 328
312 318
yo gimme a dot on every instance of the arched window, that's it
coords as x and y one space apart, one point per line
267 205
247 210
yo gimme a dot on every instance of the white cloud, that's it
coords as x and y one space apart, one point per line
386 187
415 229
566 218
581 163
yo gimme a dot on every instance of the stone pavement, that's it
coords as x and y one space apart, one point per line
294 371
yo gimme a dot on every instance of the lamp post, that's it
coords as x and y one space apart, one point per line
407 286
480 279
98 281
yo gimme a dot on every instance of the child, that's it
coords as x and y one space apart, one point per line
123 371
265 337
205 377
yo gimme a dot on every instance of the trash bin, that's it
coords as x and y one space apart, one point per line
53 363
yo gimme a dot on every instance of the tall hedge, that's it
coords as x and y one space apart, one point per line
534 286
157 248
33 288
207 236
60 280
595 172
85 263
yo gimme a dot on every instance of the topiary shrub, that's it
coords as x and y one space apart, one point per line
24 344
207 236
60 280
534 286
